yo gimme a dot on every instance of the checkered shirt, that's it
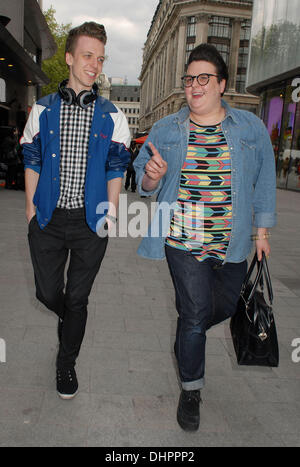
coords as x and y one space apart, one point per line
75 127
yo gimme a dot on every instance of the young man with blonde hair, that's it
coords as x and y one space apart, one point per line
75 155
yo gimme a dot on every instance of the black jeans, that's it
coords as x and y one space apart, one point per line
206 294
130 179
67 236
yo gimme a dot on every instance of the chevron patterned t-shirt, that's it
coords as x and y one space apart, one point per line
202 219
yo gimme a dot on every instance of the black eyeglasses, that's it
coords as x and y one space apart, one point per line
202 79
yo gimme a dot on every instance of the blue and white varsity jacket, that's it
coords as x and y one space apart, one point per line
108 156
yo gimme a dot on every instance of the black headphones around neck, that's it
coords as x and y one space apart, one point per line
84 98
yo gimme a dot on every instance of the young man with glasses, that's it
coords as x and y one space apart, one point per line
215 166
75 155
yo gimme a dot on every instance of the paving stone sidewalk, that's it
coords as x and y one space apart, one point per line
127 375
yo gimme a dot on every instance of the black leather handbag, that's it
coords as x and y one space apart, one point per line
253 327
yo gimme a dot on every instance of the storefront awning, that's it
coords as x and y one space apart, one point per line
17 64
35 22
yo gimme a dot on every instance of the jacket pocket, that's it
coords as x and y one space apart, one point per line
170 153
247 145
248 156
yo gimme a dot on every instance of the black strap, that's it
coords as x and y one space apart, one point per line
268 280
262 273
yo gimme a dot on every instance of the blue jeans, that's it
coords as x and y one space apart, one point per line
206 294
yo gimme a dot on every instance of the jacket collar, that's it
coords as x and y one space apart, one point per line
105 105
184 113
230 112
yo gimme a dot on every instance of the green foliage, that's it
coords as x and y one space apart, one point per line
55 67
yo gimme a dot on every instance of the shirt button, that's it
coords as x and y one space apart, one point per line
51 132
96 136
103 116
49 110
54 179
53 155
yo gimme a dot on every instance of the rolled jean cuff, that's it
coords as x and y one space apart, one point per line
193 385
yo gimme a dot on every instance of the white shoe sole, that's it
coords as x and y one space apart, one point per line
67 397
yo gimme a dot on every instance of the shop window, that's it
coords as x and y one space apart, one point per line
272 113
2 90
285 157
219 35
190 37
191 26
293 181
220 26
189 48
223 46
282 118
246 30
241 82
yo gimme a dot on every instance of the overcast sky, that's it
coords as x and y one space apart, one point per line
127 23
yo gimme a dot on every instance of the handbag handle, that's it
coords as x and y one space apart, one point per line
268 279
262 271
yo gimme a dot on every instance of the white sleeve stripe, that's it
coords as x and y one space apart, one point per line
121 133
32 127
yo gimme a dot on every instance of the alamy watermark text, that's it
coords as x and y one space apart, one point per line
2 351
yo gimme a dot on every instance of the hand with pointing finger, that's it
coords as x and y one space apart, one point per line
156 167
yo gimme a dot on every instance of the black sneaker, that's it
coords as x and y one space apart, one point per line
188 413
66 383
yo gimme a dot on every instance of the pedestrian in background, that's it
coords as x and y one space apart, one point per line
75 155
217 164
9 149
130 174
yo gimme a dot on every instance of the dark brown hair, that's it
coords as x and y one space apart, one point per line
90 29
209 53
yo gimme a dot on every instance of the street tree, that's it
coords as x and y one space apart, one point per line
55 67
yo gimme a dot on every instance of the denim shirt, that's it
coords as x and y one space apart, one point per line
253 177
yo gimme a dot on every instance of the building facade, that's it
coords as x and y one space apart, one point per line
177 27
274 75
25 41
127 98
104 85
